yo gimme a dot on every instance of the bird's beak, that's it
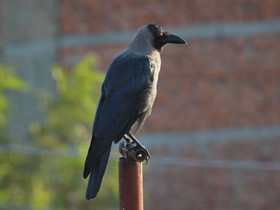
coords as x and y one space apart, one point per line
170 38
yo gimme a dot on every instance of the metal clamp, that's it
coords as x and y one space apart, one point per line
132 152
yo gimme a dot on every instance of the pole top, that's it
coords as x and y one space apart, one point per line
132 152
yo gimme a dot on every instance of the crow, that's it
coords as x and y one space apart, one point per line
128 94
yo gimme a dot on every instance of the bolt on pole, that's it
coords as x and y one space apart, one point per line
131 177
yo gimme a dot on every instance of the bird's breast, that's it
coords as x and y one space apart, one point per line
150 91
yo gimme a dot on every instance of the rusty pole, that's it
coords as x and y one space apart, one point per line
130 177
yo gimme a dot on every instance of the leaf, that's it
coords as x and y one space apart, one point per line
7 82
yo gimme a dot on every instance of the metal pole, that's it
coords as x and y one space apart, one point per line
131 177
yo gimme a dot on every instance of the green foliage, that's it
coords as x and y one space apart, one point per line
7 82
45 182
71 112
55 182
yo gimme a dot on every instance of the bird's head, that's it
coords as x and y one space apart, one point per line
160 37
153 37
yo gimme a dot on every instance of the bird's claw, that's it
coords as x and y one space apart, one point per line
148 155
133 144
141 148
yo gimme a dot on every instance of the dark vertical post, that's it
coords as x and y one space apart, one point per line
130 185
131 177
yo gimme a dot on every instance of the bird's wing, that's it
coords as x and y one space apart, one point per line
123 94
121 102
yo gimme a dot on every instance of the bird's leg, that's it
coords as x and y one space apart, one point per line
129 140
131 137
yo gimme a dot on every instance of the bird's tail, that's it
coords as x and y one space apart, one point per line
96 175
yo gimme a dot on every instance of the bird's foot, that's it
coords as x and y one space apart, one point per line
144 154
148 155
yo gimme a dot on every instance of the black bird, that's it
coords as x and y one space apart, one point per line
128 94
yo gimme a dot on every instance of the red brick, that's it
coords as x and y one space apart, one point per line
114 15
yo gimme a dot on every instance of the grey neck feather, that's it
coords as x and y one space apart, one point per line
141 43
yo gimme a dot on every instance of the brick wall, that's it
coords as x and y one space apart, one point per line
215 82
78 17
236 79
242 176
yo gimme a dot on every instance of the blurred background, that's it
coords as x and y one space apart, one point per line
214 133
